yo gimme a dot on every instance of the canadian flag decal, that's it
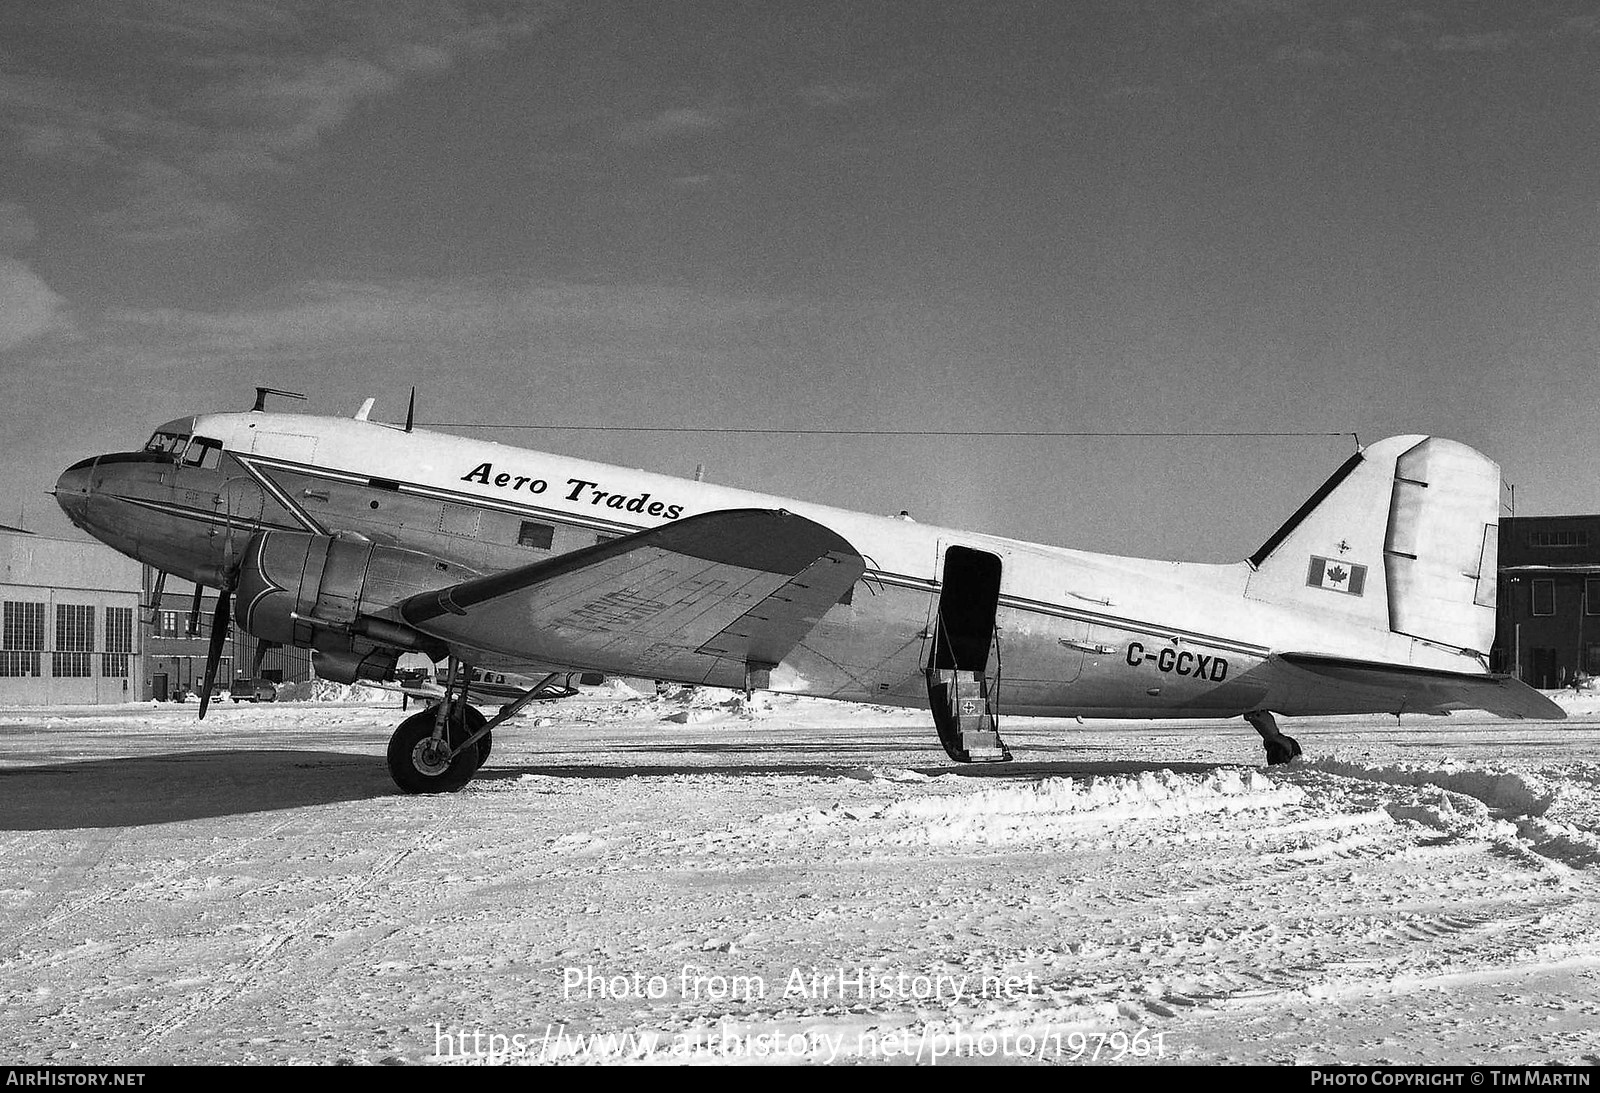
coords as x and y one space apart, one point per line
1337 575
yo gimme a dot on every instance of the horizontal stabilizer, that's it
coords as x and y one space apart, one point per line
1401 688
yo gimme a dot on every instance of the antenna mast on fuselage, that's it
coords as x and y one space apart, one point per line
263 392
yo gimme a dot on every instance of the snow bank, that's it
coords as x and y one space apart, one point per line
322 690
1051 808
1153 792
1512 791
1490 803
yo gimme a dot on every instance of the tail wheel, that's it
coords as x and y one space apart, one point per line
420 764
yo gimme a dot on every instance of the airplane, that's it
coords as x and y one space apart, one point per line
364 540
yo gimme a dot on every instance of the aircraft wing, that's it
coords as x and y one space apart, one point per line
701 598
1423 690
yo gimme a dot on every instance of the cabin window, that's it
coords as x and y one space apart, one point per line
203 452
74 640
538 536
21 638
1544 597
167 443
598 539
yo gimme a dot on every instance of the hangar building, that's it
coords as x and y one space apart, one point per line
175 660
1548 625
69 631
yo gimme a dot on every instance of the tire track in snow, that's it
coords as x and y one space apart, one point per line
64 909
58 905
249 974
1328 832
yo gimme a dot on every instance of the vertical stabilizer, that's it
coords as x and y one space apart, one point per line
1403 538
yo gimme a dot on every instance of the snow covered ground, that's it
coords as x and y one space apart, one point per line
681 879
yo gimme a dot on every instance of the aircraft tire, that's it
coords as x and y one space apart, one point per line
409 763
476 721
1282 749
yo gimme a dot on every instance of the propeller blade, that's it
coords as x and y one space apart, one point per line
219 634
154 605
194 610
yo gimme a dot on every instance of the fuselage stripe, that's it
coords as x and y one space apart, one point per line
899 580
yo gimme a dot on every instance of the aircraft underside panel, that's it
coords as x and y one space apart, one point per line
1308 684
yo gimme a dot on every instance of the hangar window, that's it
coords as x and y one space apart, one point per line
74 640
1544 597
119 643
1571 537
21 638
1591 596
538 536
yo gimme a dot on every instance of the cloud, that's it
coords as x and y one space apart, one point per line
321 314
188 99
416 324
17 228
29 308
164 203
836 94
667 125
1497 41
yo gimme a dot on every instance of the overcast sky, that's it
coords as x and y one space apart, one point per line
1237 215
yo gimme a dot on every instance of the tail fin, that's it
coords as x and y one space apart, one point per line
1403 537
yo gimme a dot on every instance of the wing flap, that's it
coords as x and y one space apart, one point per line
1428 690
768 630
698 599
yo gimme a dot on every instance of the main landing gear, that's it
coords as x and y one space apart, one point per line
439 749
1280 748
422 761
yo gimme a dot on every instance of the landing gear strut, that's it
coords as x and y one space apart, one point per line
441 748
1280 748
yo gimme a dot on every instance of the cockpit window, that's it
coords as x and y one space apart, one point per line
204 453
167 443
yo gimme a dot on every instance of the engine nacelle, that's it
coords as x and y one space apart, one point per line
347 667
322 593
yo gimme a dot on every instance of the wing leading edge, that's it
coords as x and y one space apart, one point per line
709 598
1419 690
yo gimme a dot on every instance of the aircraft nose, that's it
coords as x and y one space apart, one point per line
72 491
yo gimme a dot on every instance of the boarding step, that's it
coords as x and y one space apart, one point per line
964 714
